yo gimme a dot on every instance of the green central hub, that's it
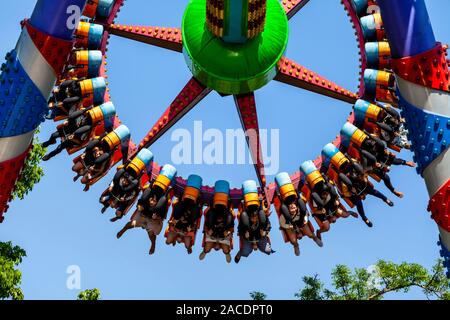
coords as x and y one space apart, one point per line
234 68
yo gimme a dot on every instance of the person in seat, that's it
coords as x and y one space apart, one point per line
186 215
125 186
292 213
153 206
254 225
219 222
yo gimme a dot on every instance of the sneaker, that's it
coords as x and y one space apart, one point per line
237 258
369 223
389 203
228 257
104 209
202 255
297 250
189 250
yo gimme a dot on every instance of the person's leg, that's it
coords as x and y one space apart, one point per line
245 250
324 226
388 184
120 212
360 207
188 244
401 162
206 249
55 152
226 250
264 246
51 140
308 230
370 190
152 237
128 226
292 237
171 237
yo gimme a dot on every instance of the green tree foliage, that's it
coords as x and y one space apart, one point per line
312 290
32 171
10 277
89 295
258 296
386 277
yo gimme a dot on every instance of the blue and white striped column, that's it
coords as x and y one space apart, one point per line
26 81
426 108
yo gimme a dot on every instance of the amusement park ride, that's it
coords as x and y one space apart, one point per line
234 47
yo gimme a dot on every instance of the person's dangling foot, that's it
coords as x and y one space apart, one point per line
152 249
389 203
318 242
46 157
411 164
202 255
297 250
189 250
399 194
228 257
368 223
120 234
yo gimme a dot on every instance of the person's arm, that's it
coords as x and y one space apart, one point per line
285 212
369 157
177 211
143 201
333 192
102 159
386 127
229 222
244 223
265 223
73 114
84 129
134 184
317 200
345 180
157 209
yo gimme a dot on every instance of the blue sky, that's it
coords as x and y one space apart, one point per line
59 225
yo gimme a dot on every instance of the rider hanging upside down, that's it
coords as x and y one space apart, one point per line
186 215
293 213
95 162
153 206
382 120
77 130
73 132
357 185
124 189
322 198
254 225
219 222
65 109
381 166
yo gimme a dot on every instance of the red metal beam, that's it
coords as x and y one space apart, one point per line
167 38
293 6
246 106
188 98
296 75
